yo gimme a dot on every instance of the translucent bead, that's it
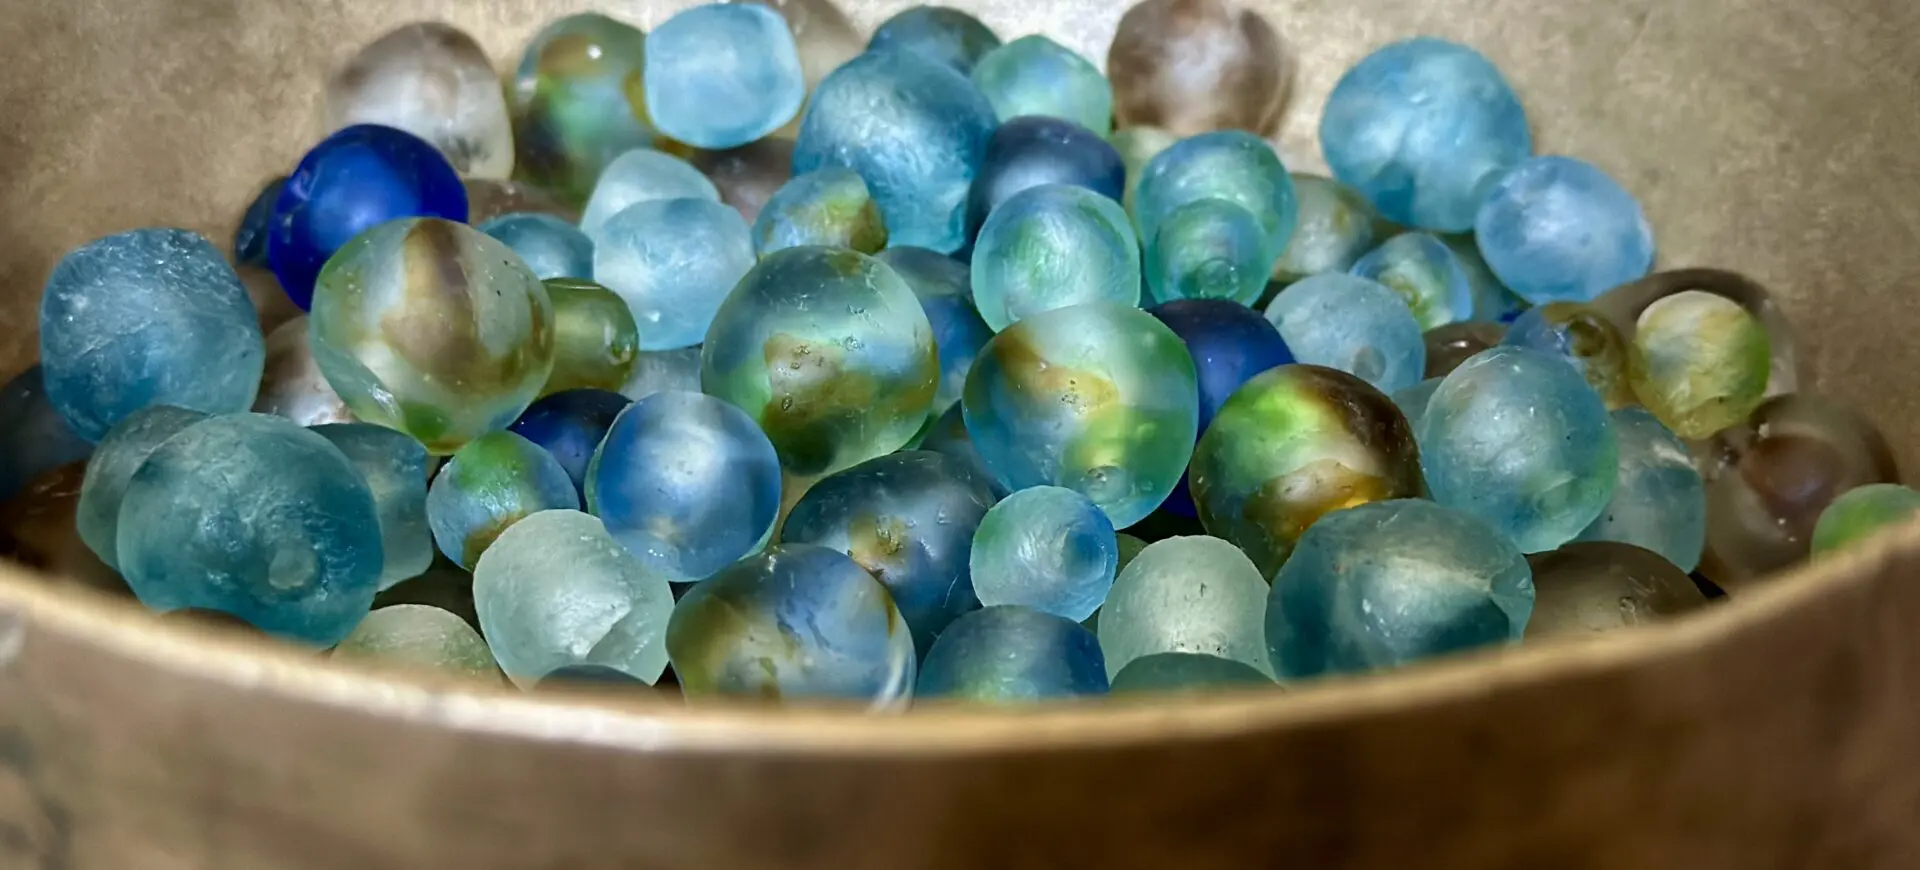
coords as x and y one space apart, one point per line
1187 672
1699 361
721 75
638 176
1352 324
1050 247
432 328
1046 548
1034 75
662 370
1191 66
549 246
489 198
1390 583
35 440
111 468
1293 445
1425 273
945 288
1585 338
1034 150
1660 501
434 81
420 637
578 101
915 129
909 518
747 176
1789 370
948 437
1138 146
1516 438
1492 301
1097 398
1230 165
1208 249
395 468
146 317
940 33
1009 655
1194 594
825 36
292 385
793 623
828 207
253 516
1860 512
1419 126
1559 229
596 343
556 591
829 352
1589 587
250 237
1454 343
492 483
686 483
673 261
1335 229
571 425
1230 344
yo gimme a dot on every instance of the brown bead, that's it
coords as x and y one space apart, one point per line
1451 344
747 176
1588 587
1189 66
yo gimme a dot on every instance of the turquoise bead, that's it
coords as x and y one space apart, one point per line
1354 325
1034 75
551 247
1230 165
1426 274
1053 246
1010 655
111 468
1556 229
673 261
1208 249
395 468
1046 548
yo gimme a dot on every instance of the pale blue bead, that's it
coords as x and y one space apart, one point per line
829 207
1392 582
1034 75
723 74
551 247
1426 274
945 288
119 455
1559 229
940 33
35 440
674 261
1336 226
1492 301
1660 501
147 317
395 468
256 517
915 129
662 370
1518 438
1354 325
1053 246
642 175
1011 654
1419 127
1208 249
1047 548
1232 165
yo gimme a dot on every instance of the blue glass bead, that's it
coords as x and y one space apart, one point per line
1413 400
1230 165
945 288
119 455
1492 301
353 181
1559 229
496 480
1518 439
1187 672
938 33
1335 228
1034 75
549 246
1229 343
663 370
35 439
687 483
723 74
1189 594
571 425
948 437
828 207
674 261
395 468
909 518
1010 655
250 237
1034 150
1208 249
793 623
146 317
1354 325
1425 273
1660 501
1046 548
1393 582
1585 338
253 516
915 129
1419 127
642 175
1050 247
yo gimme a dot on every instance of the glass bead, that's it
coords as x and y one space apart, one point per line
1354 325
1451 344
1425 273
747 177
1335 229
1034 75
1788 366
641 175
1659 502
492 483
662 370
1230 165
720 75
1556 229
596 344
1588 587
1191 66
1192 594
1030 151
551 247
829 207
1138 146
673 261
1860 512
1046 548
1011 655
578 101
111 468
945 288
825 36
1492 301
1230 344
250 237
292 385
395 468
948 437
940 33
1585 338
1050 247
35 440
1699 361
434 81
1208 249
419 637
571 425
1187 672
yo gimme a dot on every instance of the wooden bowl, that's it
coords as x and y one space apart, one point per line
1773 137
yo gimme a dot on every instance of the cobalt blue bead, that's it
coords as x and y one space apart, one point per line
945 288
939 33
250 238
1229 343
355 180
723 74
1013 654
35 440
571 425
1559 229
551 247
1036 149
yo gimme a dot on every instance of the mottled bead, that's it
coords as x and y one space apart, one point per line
432 328
1138 146
1336 227
1492 301
1451 344
551 247
1193 594
1191 66
1011 655
489 198
673 261
35 440
1790 369
353 181
1230 344
662 370
1294 444
556 591
256 517
416 636
685 482
1046 548
1659 502
1859 513
395 468
642 175
1585 338
571 425
250 236
829 352
1390 583
434 81
1033 150
1208 249
1187 672
111 468
1050 247
1352 324
490 484
1425 273
909 518
596 344
1516 438
796 622
1589 587
721 75
747 176
948 437
578 101
1034 75
1097 398
292 385
828 207
1419 126
940 33
945 288
1230 165
1699 361
1559 229
915 129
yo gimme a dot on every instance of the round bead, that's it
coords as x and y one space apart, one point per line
1195 595
1699 361
1426 274
551 247
1230 344
1050 247
1492 301
1208 249
1585 338
492 483
1034 150
570 425
36 440
642 175
1191 66
721 75
1789 365
1352 324
1589 587
674 261
596 344
1046 548
418 636
828 207
1860 512
578 102
1187 672
1659 501
947 35
292 385
395 468
1034 75
1335 229
111 469
945 288
1230 165
434 81
1559 229
1009 655
663 370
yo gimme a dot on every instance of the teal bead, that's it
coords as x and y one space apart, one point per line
1046 548
1208 249
1229 165
1011 655
1034 75
111 468
1354 325
1052 246
495 481
395 468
